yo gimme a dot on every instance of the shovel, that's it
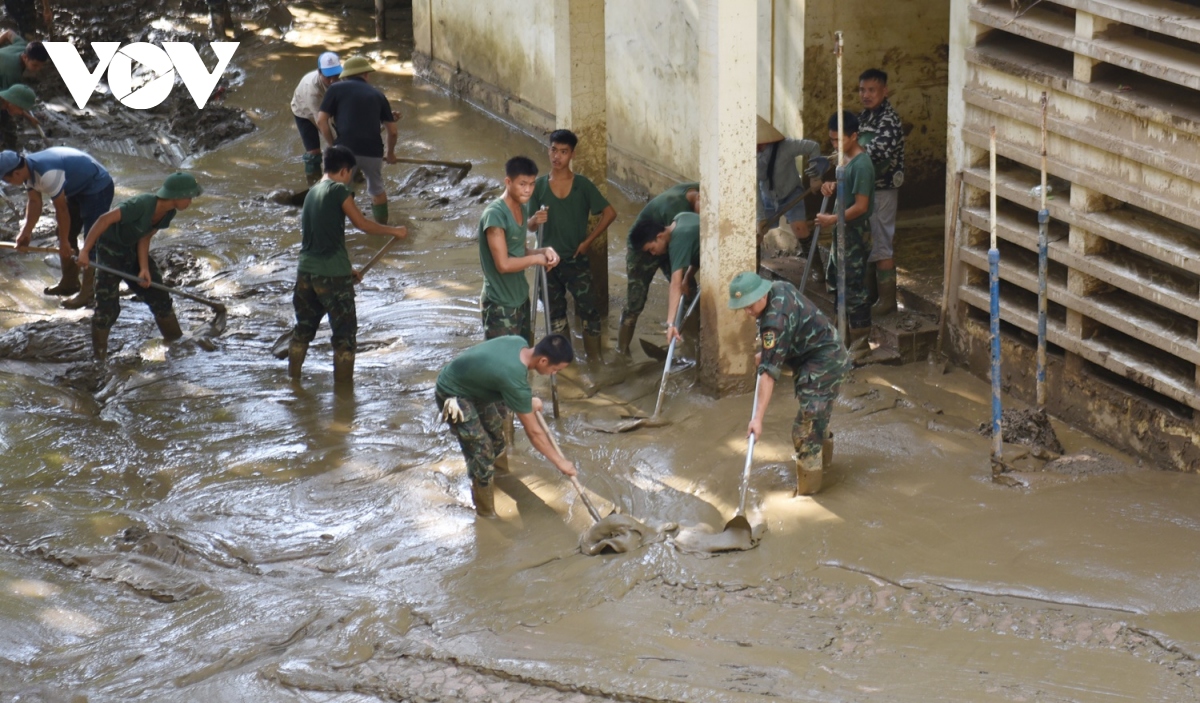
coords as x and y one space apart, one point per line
937 360
214 328
464 167
656 352
280 348
739 526
541 277
614 532
637 422
812 248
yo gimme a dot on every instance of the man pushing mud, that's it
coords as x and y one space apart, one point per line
476 392
797 335
80 190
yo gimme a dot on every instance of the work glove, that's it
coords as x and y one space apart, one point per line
817 167
451 412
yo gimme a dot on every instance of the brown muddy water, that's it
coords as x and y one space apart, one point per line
191 526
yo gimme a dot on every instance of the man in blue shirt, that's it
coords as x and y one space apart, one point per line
81 191
360 110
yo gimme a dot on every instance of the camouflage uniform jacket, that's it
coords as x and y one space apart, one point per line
796 334
882 135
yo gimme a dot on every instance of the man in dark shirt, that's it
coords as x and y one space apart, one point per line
359 110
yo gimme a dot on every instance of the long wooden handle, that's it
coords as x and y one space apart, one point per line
219 307
574 481
29 250
466 165
378 255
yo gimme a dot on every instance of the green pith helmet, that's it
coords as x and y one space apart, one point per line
747 288
356 65
179 185
20 95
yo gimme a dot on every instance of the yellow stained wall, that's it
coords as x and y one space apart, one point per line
652 54
908 40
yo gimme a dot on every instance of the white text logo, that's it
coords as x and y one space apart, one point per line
162 62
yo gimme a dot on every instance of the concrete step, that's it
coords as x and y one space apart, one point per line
902 337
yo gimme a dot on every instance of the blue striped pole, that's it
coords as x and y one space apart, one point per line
994 285
1043 266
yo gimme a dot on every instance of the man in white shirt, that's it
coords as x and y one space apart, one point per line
306 103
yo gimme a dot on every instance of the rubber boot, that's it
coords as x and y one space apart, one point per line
68 284
887 293
86 297
379 213
808 474
216 25
625 333
827 452
500 465
296 353
100 343
872 282
858 343
343 367
312 168
484 497
591 347
169 326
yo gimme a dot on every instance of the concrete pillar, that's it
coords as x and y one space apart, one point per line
1087 26
581 107
728 54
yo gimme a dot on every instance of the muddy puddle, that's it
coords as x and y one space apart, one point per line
188 525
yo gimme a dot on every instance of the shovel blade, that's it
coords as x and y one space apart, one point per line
653 350
280 348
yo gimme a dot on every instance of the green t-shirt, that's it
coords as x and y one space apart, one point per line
323 224
11 69
490 372
663 208
510 290
860 180
137 220
568 224
684 247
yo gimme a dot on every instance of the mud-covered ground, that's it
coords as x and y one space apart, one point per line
186 524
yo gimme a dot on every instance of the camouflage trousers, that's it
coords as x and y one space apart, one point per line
108 303
573 276
817 384
640 268
499 321
314 297
480 435
858 303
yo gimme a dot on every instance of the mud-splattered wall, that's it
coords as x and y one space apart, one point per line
503 58
910 41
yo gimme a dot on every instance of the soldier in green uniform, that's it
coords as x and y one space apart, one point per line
570 199
17 60
324 277
680 243
795 334
121 238
859 179
641 266
504 302
475 394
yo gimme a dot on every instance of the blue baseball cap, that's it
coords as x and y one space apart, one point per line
9 160
329 64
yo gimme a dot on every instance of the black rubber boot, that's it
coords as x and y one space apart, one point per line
343 367
169 326
296 352
100 343
68 284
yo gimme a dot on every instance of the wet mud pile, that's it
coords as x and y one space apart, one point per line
1028 427
439 186
48 340
170 132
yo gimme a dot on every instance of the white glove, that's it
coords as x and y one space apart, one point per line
451 412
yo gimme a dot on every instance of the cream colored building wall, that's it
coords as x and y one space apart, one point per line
509 44
908 40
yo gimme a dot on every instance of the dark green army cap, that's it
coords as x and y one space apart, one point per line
747 288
